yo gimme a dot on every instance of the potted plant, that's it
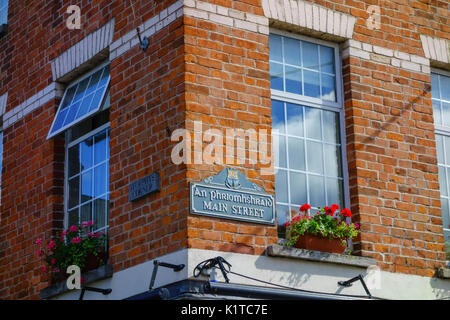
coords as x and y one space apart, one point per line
75 246
326 231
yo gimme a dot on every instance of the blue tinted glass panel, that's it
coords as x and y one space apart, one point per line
3 12
276 76
81 99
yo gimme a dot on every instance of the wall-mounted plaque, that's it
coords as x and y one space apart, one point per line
230 195
144 186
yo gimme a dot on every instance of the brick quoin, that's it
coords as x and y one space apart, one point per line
209 70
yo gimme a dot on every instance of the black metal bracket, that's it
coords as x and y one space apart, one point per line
144 42
212 263
84 289
174 267
349 283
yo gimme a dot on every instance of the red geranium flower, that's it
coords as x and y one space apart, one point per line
346 213
329 211
305 207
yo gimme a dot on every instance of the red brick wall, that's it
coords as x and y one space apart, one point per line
147 103
146 97
198 70
228 86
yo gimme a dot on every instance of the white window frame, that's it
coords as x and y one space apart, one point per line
68 145
87 115
337 106
442 130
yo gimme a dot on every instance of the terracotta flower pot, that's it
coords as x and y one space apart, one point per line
312 242
93 262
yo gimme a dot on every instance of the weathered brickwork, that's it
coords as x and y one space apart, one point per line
208 61
146 98
227 86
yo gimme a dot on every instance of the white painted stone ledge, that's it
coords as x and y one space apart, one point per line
395 58
147 29
226 16
311 16
52 91
436 49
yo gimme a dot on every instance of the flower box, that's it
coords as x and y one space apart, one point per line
311 241
326 231
76 246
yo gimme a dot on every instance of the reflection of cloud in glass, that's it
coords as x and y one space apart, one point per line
313 123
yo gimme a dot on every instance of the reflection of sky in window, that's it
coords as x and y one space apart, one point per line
308 156
302 67
3 12
89 180
81 99
440 91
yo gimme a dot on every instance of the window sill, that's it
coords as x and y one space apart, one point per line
310 255
56 289
3 30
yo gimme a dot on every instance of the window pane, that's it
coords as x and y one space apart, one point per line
81 89
96 100
293 80
296 150
335 192
295 119
447 150
328 87
275 48
276 76
93 84
310 55
445 88
74 192
292 51
100 180
69 96
315 159
282 214
87 153
80 99
73 217
440 149
437 112
281 186
281 156
99 213
445 113
298 188
278 119
331 126
327 59
445 213
86 186
86 212
443 180
313 123
282 218
312 84
435 86
73 161
332 160
316 191
72 113
100 146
